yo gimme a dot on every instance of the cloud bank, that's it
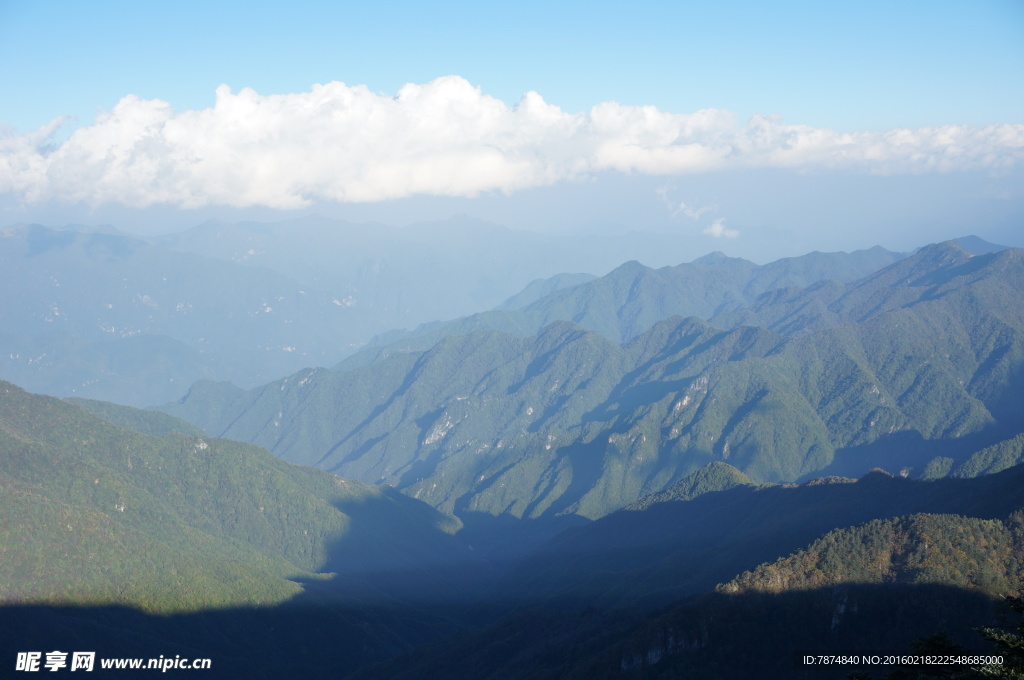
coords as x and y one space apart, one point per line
340 143
719 230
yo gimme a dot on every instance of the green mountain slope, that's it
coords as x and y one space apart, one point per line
629 300
95 513
993 458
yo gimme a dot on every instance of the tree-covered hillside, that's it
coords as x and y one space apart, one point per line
94 513
983 554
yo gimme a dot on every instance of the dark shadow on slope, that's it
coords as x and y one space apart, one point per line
289 641
503 539
678 548
710 636
587 464
725 637
356 453
396 549
908 450
410 378
629 399
402 576
383 558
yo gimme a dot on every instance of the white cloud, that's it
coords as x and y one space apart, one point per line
683 208
445 138
719 230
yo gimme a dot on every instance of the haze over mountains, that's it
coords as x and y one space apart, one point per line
102 314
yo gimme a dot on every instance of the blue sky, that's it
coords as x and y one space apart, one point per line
783 82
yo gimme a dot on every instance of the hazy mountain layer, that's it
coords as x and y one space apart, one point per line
630 299
111 316
401 277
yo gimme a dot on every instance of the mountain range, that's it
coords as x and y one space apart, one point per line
922 359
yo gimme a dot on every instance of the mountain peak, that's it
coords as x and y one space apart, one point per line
978 246
937 256
713 257
715 476
631 267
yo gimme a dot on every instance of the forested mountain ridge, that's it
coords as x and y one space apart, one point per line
629 300
934 271
922 358
706 529
144 422
684 453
